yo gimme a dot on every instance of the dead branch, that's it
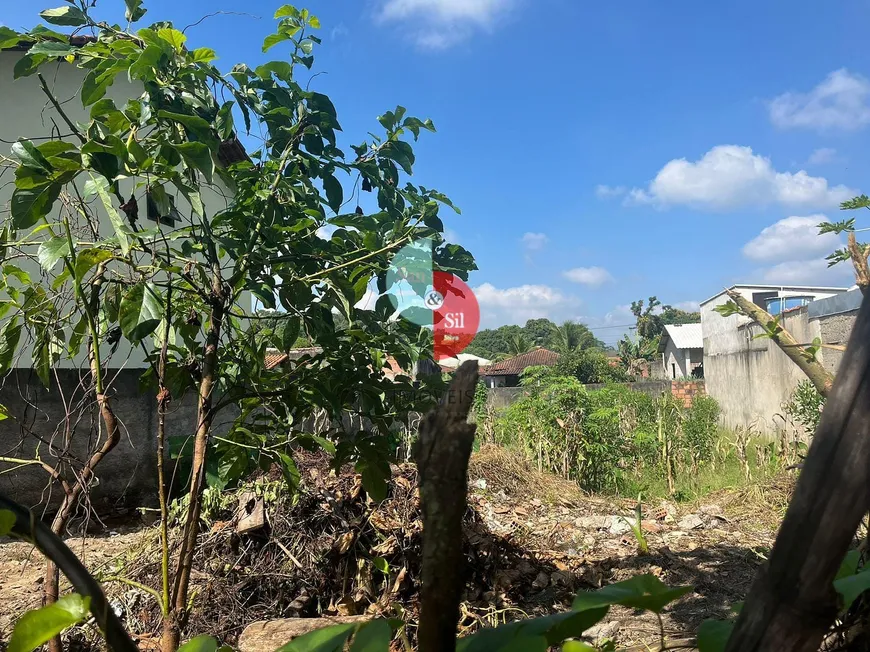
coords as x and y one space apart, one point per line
442 453
792 603
820 377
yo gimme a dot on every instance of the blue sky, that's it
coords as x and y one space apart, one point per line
600 152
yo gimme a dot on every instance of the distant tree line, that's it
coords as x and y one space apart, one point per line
514 340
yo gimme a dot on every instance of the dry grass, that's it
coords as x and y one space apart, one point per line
508 471
762 503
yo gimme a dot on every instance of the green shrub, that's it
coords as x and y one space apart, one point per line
805 406
605 437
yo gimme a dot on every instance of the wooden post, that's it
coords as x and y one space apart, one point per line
792 603
442 452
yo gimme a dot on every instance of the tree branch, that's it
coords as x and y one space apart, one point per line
820 377
442 452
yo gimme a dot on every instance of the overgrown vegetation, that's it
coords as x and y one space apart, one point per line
606 439
151 240
805 406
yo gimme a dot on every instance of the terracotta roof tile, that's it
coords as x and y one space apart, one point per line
274 359
516 365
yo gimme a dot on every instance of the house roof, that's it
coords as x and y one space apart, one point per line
781 288
684 336
516 365
274 358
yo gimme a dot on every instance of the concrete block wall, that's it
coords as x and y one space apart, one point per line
39 427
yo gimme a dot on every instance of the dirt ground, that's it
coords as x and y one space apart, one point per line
533 541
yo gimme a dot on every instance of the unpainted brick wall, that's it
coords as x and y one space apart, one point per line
685 391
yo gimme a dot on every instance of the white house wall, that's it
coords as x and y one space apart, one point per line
26 113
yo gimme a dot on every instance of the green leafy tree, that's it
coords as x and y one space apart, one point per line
571 336
635 355
539 331
178 290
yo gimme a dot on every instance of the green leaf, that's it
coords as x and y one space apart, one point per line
198 126
374 636
314 22
27 65
713 635
289 332
640 592
200 644
41 625
68 16
88 259
52 251
577 646
29 155
172 36
851 587
554 629
849 565
287 10
274 39
31 205
52 49
861 201
4 413
382 565
374 479
100 186
224 121
134 11
94 87
400 152
334 192
198 156
204 55
9 38
728 308
10 334
141 312
7 522
327 639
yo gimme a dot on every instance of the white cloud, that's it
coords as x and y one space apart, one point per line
792 238
534 241
439 24
338 31
591 276
838 102
822 155
518 304
810 272
606 192
731 176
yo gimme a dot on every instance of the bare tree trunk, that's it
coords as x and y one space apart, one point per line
442 453
820 377
792 603
176 618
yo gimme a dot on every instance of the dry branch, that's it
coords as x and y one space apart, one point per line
792 603
820 377
442 452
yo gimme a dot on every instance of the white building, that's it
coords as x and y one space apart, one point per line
750 376
26 113
682 350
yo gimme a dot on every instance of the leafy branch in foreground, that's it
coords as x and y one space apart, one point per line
151 230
